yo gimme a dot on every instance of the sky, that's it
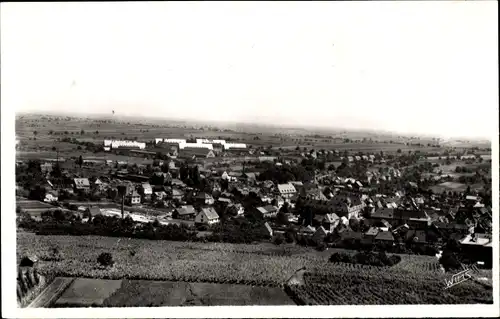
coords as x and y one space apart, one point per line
410 67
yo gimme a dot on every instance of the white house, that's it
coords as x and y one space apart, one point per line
50 197
195 145
286 190
237 209
228 146
207 216
174 141
124 143
134 198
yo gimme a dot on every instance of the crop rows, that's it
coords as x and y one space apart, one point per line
325 282
346 288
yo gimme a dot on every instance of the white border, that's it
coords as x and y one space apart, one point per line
9 303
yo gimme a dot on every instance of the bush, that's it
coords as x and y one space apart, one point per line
321 247
279 239
105 259
379 259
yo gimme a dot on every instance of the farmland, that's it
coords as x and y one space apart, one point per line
88 292
417 279
39 133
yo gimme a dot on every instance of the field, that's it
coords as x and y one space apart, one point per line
454 187
417 279
50 128
364 288
35 208
83 292
88 292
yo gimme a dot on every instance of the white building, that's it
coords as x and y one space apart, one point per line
195 145
174 140
286 190
228 146
124 143
207 216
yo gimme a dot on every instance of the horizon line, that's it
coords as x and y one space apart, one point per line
262 124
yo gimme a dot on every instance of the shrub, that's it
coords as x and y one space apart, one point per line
105 259
278 239
321 247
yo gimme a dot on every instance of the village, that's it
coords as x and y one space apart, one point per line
313 197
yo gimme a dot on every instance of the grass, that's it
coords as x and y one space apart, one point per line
86 292
140 293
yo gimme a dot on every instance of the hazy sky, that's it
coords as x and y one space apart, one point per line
423 67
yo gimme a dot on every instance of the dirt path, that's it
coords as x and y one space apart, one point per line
51 292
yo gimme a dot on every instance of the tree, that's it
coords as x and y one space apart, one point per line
79 161
82 132
105 259
281 218
399 151
279 239
35 133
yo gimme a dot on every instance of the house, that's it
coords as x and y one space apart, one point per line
81 184
224 201
184 212
46 168
416 237
268 229
330 221
207 216
349 235
370 235
92 211
286 190
204 198
235 209
146 190
384 237
349 206
250 177
268 211
177 194
98 184
414 218
196 152
160 195
319 236
316 194
134 198
51 196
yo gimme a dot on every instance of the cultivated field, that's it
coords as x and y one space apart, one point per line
454 187
40 133
417 279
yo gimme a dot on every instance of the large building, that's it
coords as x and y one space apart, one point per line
123 144
195 145
228 146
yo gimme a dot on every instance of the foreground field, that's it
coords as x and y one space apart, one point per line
417 279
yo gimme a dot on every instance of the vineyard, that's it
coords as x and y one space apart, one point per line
367 288
415 280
